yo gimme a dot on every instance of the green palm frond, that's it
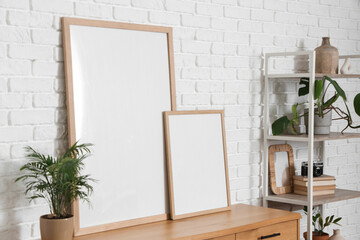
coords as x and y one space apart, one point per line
57 180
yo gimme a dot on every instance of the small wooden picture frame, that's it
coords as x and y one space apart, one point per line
197 163
288 186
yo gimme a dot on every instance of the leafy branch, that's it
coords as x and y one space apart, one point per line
319 223
322 106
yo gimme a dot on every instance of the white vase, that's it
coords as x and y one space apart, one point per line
336 235
321 124
347 68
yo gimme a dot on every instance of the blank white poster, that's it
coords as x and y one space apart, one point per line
199 177
121 87
282 172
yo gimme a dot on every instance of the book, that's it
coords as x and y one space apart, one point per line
315 184
315 179
315 188
315 193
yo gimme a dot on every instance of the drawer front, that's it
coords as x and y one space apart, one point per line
280 231
227 237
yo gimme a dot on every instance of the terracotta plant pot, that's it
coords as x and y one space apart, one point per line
315 236
327 58
56 229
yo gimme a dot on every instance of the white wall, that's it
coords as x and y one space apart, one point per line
218 48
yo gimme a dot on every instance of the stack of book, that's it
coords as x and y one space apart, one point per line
323 185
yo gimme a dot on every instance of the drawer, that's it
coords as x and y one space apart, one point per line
227 237
280 231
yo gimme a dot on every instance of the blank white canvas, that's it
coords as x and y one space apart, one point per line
198 165
282 173
121 87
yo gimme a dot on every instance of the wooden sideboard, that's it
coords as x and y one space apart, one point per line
243 222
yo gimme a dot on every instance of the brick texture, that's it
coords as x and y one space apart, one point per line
218 58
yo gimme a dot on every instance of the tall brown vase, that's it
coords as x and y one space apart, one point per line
56 229
327 58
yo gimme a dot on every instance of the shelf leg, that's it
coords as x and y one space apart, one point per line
266 132
310 143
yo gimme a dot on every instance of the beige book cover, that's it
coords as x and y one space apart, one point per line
318 183
315 188
315 179
315 193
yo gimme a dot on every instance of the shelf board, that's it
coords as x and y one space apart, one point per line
317 138
287 76
317 75
295 199
320 75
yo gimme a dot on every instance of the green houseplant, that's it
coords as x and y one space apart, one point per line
320 224
59 182
322 105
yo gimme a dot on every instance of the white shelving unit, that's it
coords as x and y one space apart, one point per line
309 200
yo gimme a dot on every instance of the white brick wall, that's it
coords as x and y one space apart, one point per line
218 46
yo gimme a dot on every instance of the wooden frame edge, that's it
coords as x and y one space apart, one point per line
113 24
200 213
70 105
122 224
65 23
169 164
272 174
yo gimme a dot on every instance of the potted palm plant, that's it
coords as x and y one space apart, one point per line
323 108
59 182
320 224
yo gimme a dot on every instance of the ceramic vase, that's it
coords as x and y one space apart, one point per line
56 229
336 235
322 125
327 58
347 67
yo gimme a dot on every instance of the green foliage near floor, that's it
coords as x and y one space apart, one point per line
58 180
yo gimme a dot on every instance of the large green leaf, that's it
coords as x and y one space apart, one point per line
336 221
315 218
321 223
295 114
280 125
305 210
305 89
327 222
331 101
318 89
338 89
357 104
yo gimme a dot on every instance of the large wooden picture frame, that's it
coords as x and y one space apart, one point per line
288 186
197 163
119 81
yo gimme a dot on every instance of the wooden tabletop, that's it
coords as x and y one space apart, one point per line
241 218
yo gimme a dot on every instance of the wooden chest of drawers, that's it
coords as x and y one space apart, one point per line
279 231
243 222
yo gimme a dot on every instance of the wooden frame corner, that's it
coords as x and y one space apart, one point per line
272 174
